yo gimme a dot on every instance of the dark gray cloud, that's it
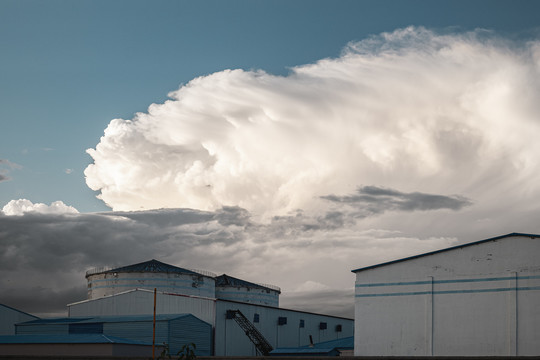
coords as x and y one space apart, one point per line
376 200
44 256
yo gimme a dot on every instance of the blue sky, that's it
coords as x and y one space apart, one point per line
260 138
69 67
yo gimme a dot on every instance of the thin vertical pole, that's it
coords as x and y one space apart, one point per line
154 328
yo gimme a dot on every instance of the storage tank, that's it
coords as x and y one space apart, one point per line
149 275
230 288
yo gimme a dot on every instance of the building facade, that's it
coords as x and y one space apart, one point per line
476 299
129 291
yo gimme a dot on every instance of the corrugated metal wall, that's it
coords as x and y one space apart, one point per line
9 317
187 330
138 330
141 302
24 329
232 341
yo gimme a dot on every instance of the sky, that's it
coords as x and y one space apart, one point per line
282 142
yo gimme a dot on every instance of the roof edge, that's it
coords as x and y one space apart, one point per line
445 249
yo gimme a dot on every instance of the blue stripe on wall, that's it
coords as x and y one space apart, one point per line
426 282
441 292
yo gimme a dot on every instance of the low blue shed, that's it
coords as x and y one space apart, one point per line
174 330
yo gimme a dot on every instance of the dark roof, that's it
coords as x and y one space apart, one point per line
226 280
152 266
68 339
447 249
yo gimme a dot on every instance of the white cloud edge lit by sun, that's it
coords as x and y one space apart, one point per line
22 206
409 110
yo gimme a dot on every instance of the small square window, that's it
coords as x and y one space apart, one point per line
282 321
323 326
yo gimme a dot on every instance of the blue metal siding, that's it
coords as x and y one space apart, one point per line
9 317
189 329
49 329
138 330
86 328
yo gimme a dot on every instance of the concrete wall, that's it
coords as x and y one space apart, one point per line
477 300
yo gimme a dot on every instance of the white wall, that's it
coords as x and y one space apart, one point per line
232 341
481 299
141 302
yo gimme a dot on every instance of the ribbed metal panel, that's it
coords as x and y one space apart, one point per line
91 328
231 340
140 302
49 329
9 317
138 330
187 330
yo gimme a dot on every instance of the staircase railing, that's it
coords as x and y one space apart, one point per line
261 344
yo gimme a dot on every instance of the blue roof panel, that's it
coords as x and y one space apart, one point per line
68 339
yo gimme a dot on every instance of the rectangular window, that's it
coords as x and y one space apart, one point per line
256 318
323 326
302 324
282 320
338 328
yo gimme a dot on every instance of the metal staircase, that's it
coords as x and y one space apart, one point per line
261 344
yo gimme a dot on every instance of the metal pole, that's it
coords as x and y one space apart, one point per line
154 328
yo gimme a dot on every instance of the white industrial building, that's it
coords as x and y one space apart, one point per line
244 316
476 299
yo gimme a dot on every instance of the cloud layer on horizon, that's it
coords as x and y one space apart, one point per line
44 256
410 141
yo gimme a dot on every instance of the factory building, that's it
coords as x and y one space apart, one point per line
174 330
245 317
476 299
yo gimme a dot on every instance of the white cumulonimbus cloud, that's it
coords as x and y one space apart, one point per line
22 206
410 110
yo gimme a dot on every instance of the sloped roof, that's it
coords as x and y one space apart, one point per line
322 348
447 249
152 266
68 339
343 343
226 280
